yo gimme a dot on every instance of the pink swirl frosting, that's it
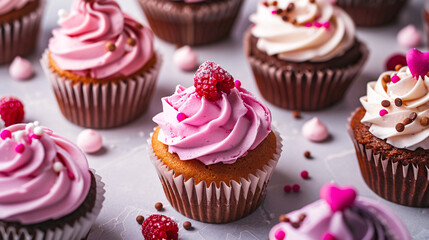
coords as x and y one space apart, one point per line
10 5
42 176
213 132
81 44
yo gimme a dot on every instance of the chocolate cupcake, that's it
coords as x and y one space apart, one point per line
191 22
47 190
214 149
370 13
19 27
340 214
391 134
304 54
103 70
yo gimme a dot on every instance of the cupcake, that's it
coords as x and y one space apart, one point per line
304 54
19 24
391 133
370 13
47 190
191 22
339 214
102 65
214 149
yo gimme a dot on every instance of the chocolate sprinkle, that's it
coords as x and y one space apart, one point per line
398 102
301 217
274 3
424 121
413 116
283 218
159 206
285 18
187 225
386 79
290 7
131 41
307 154
140 219
407 121
400 127
110 46
139 26
398 67
312 1
296 225
296 114
385 103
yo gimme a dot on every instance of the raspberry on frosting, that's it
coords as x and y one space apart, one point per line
211 80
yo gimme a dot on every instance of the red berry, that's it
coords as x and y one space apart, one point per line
11 110
211 80
394 60
157 227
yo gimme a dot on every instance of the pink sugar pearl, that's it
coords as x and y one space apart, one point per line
280 235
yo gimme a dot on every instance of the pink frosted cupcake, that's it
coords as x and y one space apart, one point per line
102 65
19 27
340 215
47 190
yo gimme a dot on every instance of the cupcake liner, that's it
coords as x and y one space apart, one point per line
19 37
374 12
77 230
306 91
212 204
103 105
192 24
405 184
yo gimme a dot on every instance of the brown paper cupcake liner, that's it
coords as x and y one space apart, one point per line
311 90
103 105
191 24
19 37
405 184
373 12
212 204
75 231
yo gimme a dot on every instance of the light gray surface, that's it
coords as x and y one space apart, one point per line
131 182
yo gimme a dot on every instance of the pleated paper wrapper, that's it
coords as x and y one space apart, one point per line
403 184
305 91
213 21
76 231
19 36
103 105
212 204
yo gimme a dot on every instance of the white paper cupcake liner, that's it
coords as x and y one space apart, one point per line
19 37
212 204
405 184
103 105
78 230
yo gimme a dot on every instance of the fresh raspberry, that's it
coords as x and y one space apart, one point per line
11 110
394 60
211 80
157 227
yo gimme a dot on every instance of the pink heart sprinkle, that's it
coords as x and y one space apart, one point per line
181 117
308 24
20 148
329 236
71 175
5 134
418 62
327 25
383 112
395 79
318 24
274 12
280 235
339 199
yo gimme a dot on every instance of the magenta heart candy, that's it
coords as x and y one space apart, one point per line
338 198
418 62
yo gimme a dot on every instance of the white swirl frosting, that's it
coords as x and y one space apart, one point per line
297 42
414 94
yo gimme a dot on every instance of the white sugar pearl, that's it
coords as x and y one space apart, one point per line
36 123
29 126
38 131
62 13
58 167
18 135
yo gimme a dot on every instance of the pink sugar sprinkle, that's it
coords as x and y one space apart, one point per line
327 25
20 148
329 236
71 175
5 134
287 188
318 24
181 117
305 175
280 235
274 12
237 83
395 79
308 24
296 188
383 112
35 136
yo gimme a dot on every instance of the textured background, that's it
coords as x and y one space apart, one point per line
131 182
